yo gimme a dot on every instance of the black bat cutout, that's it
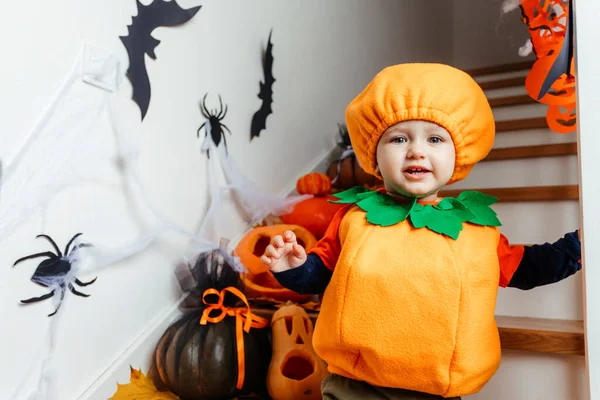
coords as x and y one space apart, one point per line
54 272
139 42
562 63
259 120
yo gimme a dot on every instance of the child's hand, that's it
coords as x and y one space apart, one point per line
284 253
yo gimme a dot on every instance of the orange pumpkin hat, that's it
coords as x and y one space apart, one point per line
431 92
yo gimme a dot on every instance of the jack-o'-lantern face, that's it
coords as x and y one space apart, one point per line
562 118
259 280
295 371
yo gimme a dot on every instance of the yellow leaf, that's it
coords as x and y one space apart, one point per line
140 387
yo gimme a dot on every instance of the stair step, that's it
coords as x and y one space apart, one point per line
503 83
521 124
498 69
532 193
511 101
541 335
516 333
545 150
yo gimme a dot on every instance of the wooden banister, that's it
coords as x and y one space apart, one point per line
530 193
545 150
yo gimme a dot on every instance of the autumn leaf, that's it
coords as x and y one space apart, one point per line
140 387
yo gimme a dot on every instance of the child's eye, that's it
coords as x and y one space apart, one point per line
435 139
399 139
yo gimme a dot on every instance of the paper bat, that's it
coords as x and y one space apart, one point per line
259 120
139 42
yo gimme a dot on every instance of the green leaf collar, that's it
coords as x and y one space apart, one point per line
446 217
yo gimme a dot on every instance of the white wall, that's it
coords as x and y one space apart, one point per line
325 52
483 36
588 84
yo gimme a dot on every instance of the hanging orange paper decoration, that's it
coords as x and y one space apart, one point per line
551 79
561 118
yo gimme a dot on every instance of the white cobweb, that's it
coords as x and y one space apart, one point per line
66 148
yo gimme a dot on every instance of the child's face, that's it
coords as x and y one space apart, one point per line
415 159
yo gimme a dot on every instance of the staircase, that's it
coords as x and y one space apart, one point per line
522 134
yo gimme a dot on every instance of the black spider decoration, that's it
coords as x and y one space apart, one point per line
55 272
214 120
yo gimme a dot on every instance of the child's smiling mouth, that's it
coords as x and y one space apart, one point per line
415 172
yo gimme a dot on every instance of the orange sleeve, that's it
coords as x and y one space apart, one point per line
510 258
329 247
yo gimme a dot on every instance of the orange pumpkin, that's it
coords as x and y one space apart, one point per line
259 280
295 371
314 214
314 183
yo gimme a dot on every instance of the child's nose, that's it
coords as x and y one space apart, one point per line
415 151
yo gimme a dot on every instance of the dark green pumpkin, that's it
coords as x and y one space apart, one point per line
200 361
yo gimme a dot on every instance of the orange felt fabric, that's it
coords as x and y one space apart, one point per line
432 299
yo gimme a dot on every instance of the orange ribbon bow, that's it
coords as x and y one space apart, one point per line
244 320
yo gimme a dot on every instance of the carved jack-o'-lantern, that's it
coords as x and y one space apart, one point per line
259 280
295 371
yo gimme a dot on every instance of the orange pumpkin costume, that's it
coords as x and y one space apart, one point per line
431 299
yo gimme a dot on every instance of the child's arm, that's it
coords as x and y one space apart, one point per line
312 277
305 274
548 263
532 266
292 268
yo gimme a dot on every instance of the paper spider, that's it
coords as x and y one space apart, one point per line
214 120
55 272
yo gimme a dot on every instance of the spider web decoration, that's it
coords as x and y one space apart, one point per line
70 146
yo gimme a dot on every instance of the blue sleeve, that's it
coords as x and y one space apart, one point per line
312 277
548 263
